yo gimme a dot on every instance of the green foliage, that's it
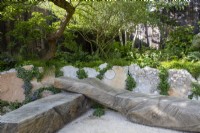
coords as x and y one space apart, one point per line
196 43
103 71
180 41
195 90
38 93
99 110
163 85
28 33
148 58
10 105
6 62
27 76
81 74
193 56
130 83
192 67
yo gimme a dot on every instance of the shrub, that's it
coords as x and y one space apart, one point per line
163 85
6 62
130 83
81 74
193 68
195 90
179 41
99 110
103 71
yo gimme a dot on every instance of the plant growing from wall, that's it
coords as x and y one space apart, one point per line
38 93
27 76
163 85
195 90
81 74
130 82
103 71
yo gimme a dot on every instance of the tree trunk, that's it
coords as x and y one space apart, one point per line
55 36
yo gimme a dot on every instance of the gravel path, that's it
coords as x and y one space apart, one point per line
111 122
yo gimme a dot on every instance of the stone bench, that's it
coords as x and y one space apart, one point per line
46 115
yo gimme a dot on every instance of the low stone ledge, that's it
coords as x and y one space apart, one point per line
46 115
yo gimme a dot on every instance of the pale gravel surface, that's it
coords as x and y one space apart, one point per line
111 122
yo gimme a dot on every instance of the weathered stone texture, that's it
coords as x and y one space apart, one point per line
147 79
116 77
180 83
46 115
160 111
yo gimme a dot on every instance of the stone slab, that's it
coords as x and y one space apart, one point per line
46 115
158 111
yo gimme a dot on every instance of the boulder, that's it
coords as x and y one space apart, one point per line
180 83
92 73
46 115
159 111
11 86
69 71
147 79
102 66
116 77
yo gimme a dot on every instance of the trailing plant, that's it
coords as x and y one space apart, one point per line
130 82
38 93
103 71
99 110
81 74
27 76
163 85
195 90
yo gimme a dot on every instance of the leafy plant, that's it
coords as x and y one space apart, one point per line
163 85
195 90
180 41
192 67
27 76
130 83
81 74
103 71
37 94
193 56
98 110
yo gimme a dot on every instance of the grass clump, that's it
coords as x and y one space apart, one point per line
163 85
130 83
81 74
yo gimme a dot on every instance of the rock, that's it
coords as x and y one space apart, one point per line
159 111
6 109
116 77
46 93
70 71
92 73
47 81
180 83
46 115
147 79
102 66
11 87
